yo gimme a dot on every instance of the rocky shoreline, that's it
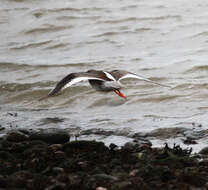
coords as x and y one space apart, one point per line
49 161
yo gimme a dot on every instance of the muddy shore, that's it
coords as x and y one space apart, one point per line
50 161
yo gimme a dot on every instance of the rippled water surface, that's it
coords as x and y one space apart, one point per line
166 41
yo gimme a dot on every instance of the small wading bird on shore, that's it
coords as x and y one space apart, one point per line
99 80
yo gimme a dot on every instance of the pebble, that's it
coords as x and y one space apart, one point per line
137 144
60 155
16 136
101 188
189 141
56 147
104 177
134 172
57 186
58 170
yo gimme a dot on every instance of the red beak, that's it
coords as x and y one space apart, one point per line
119 93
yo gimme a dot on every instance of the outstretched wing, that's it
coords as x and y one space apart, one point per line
121 74
71 79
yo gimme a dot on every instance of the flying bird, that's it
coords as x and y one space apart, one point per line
99 80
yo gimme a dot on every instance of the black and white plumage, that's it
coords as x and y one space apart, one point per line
99 80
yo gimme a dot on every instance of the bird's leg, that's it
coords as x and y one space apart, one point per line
119 93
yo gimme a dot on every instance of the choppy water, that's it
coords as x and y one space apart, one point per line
166 41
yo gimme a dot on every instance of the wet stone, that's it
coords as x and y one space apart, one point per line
137 145
57 186
204 151
56 147
87 165
85 146
52 136
105 177
20 178
1 128
58 170
189 141
59 155
113 146
134 172
16 136
4 155
3 182
122 185
101 188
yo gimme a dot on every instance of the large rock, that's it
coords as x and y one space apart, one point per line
204 151
51 136
75 147
16 136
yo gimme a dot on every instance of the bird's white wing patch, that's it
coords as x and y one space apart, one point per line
79 79
130 75
108 75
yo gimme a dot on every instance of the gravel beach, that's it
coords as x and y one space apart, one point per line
34 160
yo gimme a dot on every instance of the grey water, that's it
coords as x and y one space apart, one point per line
165 41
